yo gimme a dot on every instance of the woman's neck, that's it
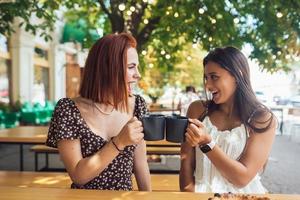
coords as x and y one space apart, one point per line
228 109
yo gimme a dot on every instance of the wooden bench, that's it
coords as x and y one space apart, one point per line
43 149
160 182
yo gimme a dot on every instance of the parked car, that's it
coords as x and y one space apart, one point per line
295 101
261 96
279 100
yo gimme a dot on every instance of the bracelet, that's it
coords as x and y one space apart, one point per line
116 145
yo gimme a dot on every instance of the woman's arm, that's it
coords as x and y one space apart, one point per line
141 168
254 157
82 170
187 153
187 168
238 172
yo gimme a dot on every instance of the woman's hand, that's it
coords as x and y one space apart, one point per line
196 133
131 133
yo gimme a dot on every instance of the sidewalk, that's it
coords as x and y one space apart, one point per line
282 174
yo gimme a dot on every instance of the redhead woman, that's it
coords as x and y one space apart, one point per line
99 134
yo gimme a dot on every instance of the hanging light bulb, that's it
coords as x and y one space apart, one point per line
201 11
132 8
121 7
146 21
236 20
129 12
279 15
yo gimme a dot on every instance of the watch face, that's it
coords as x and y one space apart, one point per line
205 148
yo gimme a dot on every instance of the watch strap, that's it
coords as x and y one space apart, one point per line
207 147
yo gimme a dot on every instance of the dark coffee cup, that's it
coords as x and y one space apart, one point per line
176 128
154 127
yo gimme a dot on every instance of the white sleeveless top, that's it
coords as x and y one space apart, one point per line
208 178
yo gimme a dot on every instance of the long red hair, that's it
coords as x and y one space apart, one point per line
104 77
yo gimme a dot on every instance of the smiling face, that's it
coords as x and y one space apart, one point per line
133 74
220 83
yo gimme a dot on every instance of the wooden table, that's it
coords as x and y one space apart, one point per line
24 135
159 182
162 143
37 135
16 193
158 109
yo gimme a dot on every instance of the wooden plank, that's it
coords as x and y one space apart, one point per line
162 143
159 182
24 134
150 150
16 193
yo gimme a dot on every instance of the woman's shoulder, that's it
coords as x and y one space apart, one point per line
263 120
139 98
65 105
197 108
64 101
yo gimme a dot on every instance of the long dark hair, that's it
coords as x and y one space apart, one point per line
249 108
104 77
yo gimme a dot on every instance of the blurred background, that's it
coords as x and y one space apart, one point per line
44 44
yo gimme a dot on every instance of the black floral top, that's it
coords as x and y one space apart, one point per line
68 124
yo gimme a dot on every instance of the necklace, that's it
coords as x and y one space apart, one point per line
103 112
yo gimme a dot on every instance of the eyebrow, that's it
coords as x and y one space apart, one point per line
212 73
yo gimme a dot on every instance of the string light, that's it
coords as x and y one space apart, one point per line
189 58
236 20
144 52
132 8
168 56
128 12
121 7
176 15
151 65
167 13
162 52
279 15
201 11
213 21
146 21
210 39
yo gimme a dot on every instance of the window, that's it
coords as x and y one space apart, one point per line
41 75
4 70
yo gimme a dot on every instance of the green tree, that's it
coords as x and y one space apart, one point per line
271 27
25 10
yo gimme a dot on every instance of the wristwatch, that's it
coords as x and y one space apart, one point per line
207 147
